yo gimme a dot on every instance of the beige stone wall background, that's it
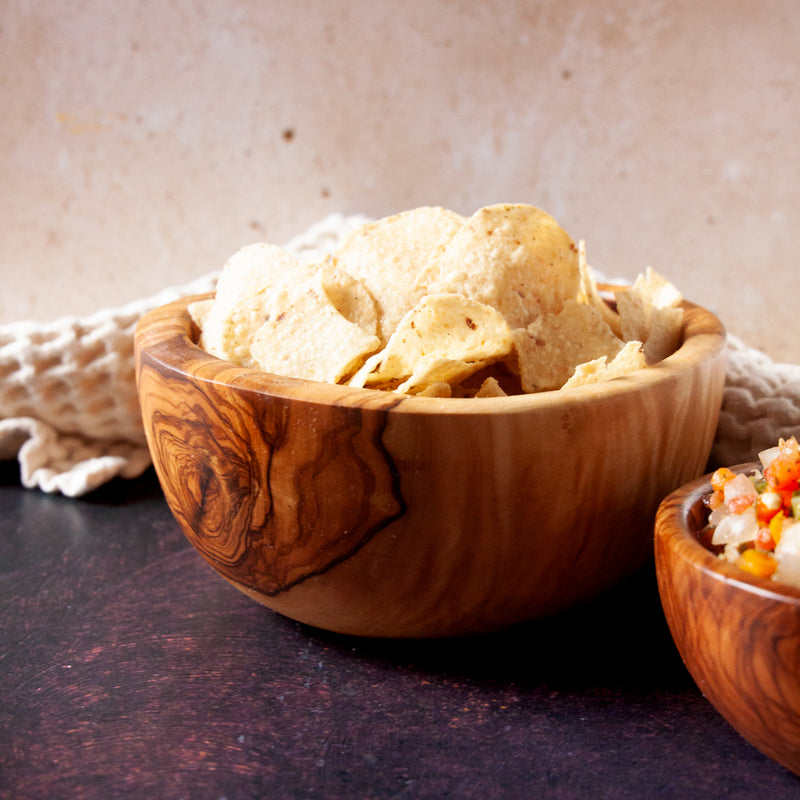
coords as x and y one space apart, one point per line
143 142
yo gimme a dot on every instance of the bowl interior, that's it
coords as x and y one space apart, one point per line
703 340
679 526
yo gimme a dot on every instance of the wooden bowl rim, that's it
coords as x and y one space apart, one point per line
675 529
168 335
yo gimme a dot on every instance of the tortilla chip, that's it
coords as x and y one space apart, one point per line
199 311
629 359
657 291
425 302
388 255
634 315
589 372
497 373
664 334
443 338
550 348
306 334
437 390
239 307
349 297
514 258
649 312
490 388
590 294
431 371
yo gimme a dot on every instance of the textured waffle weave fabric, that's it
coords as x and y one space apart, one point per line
68 406
70 415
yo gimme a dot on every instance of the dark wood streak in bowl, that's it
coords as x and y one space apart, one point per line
738 635
245 478
378 514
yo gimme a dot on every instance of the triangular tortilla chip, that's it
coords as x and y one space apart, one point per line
513 257
649 312
550 348
629 359
388 255
242 293
307 336
443 329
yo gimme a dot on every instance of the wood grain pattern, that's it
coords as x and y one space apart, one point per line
378 514
249 474
739 636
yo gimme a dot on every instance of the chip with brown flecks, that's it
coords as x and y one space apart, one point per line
239 306
513 257
430 303
389 255
444 338
321 329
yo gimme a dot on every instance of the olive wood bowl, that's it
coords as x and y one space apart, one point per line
738 635
378 514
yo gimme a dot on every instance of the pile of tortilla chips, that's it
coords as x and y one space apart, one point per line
427 302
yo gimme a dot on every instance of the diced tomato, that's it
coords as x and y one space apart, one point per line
790 448
783 472
740 503
768 505
764 540
782 475
786 500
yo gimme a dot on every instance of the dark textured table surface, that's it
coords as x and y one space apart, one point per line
129 669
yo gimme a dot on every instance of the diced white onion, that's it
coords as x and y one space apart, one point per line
787 554
736 528
767 456
738 486
717 515
731 553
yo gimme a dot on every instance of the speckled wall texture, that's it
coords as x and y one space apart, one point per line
142 143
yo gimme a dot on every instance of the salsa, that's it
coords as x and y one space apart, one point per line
754 520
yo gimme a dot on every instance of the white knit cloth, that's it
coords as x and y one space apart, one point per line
68 406
70 415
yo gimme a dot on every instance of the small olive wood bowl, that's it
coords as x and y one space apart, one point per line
372 513
738 635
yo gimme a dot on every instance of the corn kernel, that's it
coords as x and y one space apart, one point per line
776 527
